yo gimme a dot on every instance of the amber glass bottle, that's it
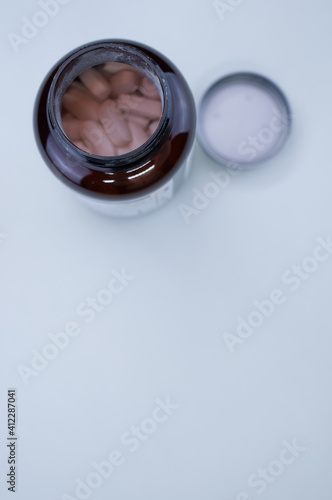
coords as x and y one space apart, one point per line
135 182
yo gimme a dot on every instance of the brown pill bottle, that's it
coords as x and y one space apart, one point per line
136 181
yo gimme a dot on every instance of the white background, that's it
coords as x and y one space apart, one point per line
163 335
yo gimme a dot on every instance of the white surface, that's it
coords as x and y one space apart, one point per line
162 336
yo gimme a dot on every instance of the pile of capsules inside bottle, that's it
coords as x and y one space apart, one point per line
110 109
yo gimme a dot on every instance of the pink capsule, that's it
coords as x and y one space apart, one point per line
71 127
143 122
80 144
128 102
141 106
96 83
80 104
76 84
125 82
148 88
153 126
124 150
114 123
113 67
94 136
138 133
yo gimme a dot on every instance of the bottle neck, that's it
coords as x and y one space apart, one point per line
87 57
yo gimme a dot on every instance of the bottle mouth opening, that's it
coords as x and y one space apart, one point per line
87 57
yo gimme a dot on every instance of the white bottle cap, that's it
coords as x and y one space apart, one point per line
243 119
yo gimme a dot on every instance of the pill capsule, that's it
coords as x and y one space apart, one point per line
96 83
114 123
71 127
124 150
76 84
138 133
125 82
153 126
113 67
128 102
80 144
94 136
148 88
80 104
141 106
143 122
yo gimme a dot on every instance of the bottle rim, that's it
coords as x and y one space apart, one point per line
90 55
